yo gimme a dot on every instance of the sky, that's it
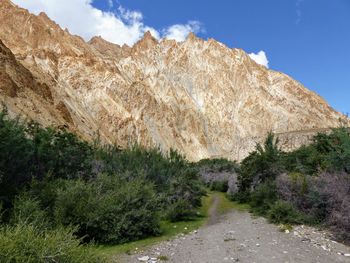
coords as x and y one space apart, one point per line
306 39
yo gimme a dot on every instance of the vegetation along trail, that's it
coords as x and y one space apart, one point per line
237 236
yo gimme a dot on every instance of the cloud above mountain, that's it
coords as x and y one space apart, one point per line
180 32
122 26
260 58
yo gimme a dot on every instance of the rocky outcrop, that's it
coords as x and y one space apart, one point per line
199 97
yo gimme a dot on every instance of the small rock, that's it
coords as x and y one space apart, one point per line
143 259
324 247
229 236
286 231
258 245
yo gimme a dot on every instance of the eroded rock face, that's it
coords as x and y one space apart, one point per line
199 97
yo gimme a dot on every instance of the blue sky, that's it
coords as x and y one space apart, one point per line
306 39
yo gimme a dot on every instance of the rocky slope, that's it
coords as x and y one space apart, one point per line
199 97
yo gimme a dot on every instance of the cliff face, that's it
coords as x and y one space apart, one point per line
199 97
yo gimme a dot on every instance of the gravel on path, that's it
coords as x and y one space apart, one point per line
240 237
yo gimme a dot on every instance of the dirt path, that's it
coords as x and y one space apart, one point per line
213 211
238 237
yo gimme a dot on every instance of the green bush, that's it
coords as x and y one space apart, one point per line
28 151
263 197
27 210
184 195
339 155
221 186
217 165
264 164
16 153
283 212
109 209
180 210
27 243
305 160
50 177
59 152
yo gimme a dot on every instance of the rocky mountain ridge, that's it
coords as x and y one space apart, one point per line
199 97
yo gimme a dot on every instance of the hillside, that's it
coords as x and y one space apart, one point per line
199 97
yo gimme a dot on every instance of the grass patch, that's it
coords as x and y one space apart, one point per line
169 230
226 205
163 258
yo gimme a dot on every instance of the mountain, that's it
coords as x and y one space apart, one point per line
197 96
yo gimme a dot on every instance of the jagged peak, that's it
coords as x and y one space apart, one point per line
148 36
43 14
96 38
9 2
192 37
146 42
125 46
101 41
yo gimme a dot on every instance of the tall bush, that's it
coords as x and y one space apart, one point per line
30 244
109 209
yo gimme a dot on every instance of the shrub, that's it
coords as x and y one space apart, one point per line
184 195
156 167
220 186
305 160
219 174
109 209
59 152
27 243
283 212
27 210
335 190
15 158
60 175
293 188
217 165
180 210
339 155
264 164
263 197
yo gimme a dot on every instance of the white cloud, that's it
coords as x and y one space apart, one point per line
260 58
121 27
110 3
298 11
180 32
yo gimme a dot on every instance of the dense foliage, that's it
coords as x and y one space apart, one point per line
52 180
28 243
219 174
308 185
109 209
